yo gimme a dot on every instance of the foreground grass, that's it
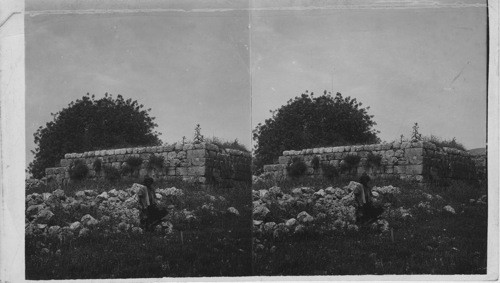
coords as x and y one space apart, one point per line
218 246
436 243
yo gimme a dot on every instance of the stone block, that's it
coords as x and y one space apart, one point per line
172 155
188 146
212 147
284 159
178 146
363 154
196 171
386 146
201 145
414 155
389 154
399 153
65 162
197 161
414 169
389 169
417 144
181 171
196 153
182 154
400 169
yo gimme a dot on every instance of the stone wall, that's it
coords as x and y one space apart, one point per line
420 161
203 163
480 161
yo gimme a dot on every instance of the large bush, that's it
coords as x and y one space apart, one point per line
91 124
307 122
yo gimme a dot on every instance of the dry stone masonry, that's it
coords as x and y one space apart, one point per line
202 163
420 161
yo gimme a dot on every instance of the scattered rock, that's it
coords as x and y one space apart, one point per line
257 222
269 227
44 216
275 191
291 222
307 190
299 229
88 221
75 226
233 211
320 193
53 230
137 230
90 193
79 195
263 194
260 212
304 217
136 188
449 209
34 209
103 196
59 193
122 226
84 232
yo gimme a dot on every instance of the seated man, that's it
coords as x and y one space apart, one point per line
150 214
366 211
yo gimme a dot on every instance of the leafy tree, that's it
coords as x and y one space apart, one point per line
307 121
92 124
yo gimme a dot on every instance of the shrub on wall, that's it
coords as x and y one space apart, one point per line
97 165
296 168
156 161
373 159
349 162
126 169
111 173
134 162
78 170
329 171
445 143
315 163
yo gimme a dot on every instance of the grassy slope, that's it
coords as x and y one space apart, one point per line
437 243
220 247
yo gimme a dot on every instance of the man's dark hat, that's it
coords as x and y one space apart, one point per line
364 179
148 181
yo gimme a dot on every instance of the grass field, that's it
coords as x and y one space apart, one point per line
217 244
431 241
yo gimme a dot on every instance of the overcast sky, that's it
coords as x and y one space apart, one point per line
425 65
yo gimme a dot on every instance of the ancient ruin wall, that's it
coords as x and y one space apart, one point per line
203 163
420 161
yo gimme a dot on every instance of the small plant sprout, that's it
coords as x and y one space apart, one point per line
415 135
198 137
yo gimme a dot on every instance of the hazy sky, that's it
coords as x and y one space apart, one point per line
425 65
408 65
188 69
